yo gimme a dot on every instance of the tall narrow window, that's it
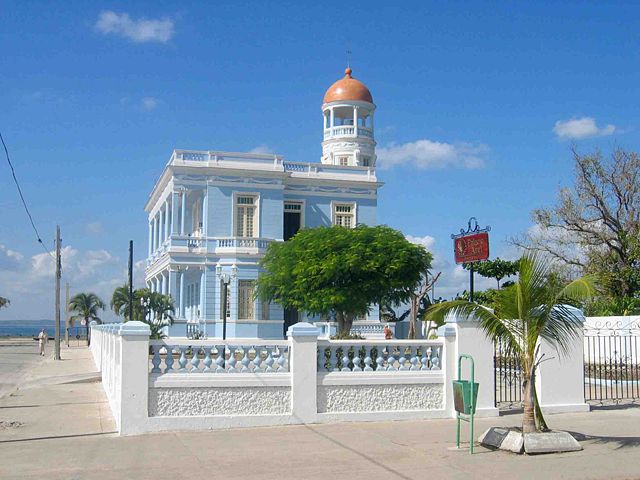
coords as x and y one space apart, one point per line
343 215
245 216
292 219
343 161
245 300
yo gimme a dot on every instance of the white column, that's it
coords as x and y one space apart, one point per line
166 219
560 377
331 120
371 126
183 210
201 305
205 210
303 366
181 298
355 121
153 234
157 235
465 336
133 391
150 239
175 199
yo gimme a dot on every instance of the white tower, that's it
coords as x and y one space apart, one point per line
347 112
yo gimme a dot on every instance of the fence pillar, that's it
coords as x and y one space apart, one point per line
96 344
134 377
560 377
304 371
465 336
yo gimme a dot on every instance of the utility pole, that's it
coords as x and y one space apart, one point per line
66 316
130 279
56 354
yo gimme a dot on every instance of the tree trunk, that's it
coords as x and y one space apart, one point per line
528 417
541 424
412 318
345 322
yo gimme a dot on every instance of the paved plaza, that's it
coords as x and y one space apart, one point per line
57 425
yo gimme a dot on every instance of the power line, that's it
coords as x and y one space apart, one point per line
24 203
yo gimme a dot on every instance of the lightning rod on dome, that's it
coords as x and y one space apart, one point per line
348 57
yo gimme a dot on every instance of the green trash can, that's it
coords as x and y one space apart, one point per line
462 396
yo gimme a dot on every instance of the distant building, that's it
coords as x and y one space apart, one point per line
212 215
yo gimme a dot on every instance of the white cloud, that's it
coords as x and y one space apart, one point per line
28 280
94 227
262 149
427 241
578 128
139 31
9 259
427 154
149 103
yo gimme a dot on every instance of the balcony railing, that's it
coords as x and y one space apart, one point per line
180 243
348 131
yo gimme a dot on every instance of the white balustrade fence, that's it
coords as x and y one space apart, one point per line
203 356
185 384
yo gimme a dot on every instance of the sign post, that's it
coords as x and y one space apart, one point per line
470 246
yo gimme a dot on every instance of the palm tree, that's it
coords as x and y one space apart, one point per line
531 310
120 303
86 306
157 311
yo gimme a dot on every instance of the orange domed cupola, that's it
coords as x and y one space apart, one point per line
348 88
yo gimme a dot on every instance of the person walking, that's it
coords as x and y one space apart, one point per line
43 338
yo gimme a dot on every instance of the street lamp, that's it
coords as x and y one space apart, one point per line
225 289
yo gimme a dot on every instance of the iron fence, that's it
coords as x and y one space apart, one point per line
611 362
507 379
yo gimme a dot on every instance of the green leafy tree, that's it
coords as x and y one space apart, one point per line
342 271
120 303
595 225
497 268
156 310
153 308
86 307
4 302
530 310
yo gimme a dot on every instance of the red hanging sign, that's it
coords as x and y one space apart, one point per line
471 248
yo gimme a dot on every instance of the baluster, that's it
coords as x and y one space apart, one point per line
257 360
423 358
245 360
345 359
435 359
220 359
168 361
380 359
207 359
402 350
231 362
415 360
195 361
391 360
183 359
156 359
334 359
282 362
269 361
367 360
356 360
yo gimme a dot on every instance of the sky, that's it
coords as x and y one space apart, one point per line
478 106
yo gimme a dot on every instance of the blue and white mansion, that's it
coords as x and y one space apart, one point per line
212 215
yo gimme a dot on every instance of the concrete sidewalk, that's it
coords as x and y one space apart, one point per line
67 433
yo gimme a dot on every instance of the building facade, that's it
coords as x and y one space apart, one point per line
213 214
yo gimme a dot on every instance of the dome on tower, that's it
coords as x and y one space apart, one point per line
348 88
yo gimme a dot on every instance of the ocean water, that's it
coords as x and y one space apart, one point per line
31 328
